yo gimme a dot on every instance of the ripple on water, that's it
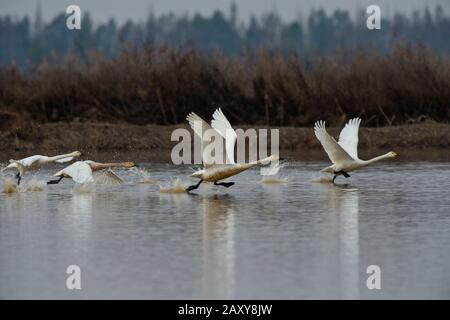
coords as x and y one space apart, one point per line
84 188
273 179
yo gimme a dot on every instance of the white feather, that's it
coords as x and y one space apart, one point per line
79 171
221 124
200 127
107 177
334 151
30 161
348 139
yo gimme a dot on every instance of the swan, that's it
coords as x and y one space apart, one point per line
212 172
91 171
37 161
344 153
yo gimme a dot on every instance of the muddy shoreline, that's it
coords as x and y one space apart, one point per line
425 141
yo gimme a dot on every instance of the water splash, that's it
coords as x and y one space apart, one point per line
173 187
273 174
322 178
9 186
34 185
144 176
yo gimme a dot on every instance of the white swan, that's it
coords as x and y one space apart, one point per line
344 154
37 161
213 172
91 171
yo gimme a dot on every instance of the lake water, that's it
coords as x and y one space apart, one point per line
295 240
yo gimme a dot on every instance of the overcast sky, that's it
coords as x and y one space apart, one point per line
138 10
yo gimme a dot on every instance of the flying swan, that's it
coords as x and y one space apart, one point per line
213 172
36 162
344 154
91 171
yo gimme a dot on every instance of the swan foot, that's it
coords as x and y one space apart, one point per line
18 177
55 181
345 174
225 184
193 187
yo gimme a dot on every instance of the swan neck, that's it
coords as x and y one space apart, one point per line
252 164
101 166
262 161
376 159
246 165
59 157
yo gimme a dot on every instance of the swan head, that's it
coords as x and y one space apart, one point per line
129 164
269 159
77 154
392 154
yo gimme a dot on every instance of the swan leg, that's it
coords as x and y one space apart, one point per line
345 174
225 184
193 187
55 181
18 177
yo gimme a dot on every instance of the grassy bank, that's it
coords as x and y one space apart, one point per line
152 142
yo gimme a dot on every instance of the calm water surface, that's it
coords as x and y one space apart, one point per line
295 240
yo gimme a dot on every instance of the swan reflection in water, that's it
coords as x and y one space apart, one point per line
343 204
81 213
218 247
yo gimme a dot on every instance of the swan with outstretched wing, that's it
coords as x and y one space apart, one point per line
211 171
36 162
90 171
344 153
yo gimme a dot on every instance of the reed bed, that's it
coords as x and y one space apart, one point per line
160 85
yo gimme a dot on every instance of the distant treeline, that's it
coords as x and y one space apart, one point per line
162 85
26 43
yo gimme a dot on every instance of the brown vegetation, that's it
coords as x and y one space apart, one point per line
161 85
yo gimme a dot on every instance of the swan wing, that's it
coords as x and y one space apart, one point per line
200 126
335 152
64 160
197 124
80 172
12 165
28 162
348 139
221 124
107 177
